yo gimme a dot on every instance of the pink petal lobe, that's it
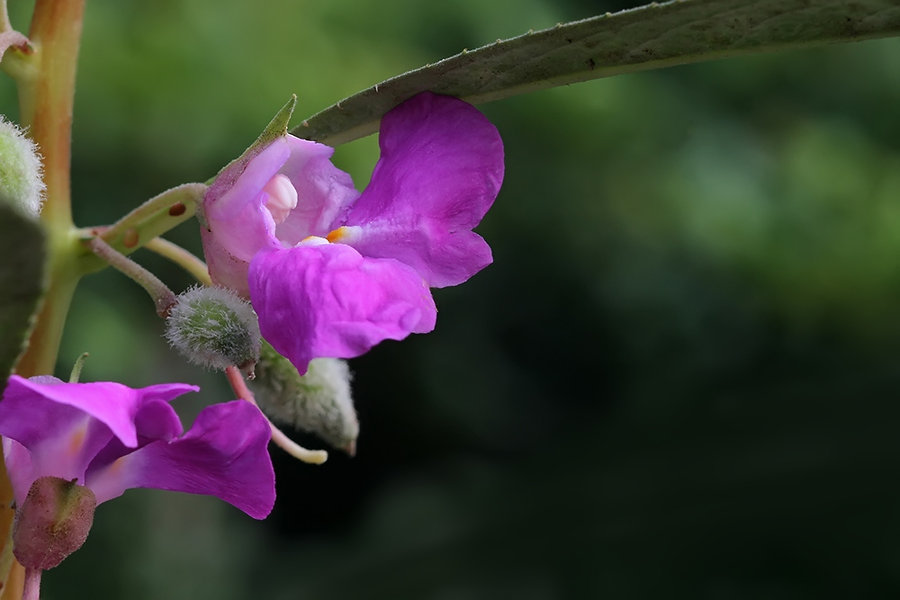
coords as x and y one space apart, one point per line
224 454
327 300
440 170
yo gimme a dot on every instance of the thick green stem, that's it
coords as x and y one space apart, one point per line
43 346
5 25
46 99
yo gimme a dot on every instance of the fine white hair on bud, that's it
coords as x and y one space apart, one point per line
21 181
318 402
214 328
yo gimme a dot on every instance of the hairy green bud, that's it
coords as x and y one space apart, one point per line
21 185
214 328
319 402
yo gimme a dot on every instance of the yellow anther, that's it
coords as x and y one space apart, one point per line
336 234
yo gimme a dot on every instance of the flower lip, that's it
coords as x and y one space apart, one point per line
330 301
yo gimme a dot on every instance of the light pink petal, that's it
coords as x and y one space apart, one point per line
224 455
327 300
233 206
19 468
235 221
440 170
324 192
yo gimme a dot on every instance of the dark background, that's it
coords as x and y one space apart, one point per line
679 379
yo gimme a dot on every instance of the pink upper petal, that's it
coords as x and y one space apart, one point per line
327 300
224 455
440 169
234 207
237 222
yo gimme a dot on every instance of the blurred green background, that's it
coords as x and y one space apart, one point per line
678 380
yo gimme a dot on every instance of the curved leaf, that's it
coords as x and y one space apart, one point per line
22 258
648 37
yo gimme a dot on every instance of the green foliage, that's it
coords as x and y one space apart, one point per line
648 37
21 282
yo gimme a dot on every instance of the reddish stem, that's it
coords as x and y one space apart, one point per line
279 438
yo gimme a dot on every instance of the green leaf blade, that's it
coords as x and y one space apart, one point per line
22 249
648 37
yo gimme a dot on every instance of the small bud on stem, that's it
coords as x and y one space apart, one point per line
214 328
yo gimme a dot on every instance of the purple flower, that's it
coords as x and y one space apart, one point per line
110 438
332 272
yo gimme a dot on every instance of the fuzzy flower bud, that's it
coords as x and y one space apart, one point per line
53 522
319 402
21 185
213 327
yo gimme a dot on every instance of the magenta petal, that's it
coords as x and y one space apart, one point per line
440 169
155 420
224 455
27 405
327 300
64 425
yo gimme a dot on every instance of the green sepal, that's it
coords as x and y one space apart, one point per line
276 128
318 402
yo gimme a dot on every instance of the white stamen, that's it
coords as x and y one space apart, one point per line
282 197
